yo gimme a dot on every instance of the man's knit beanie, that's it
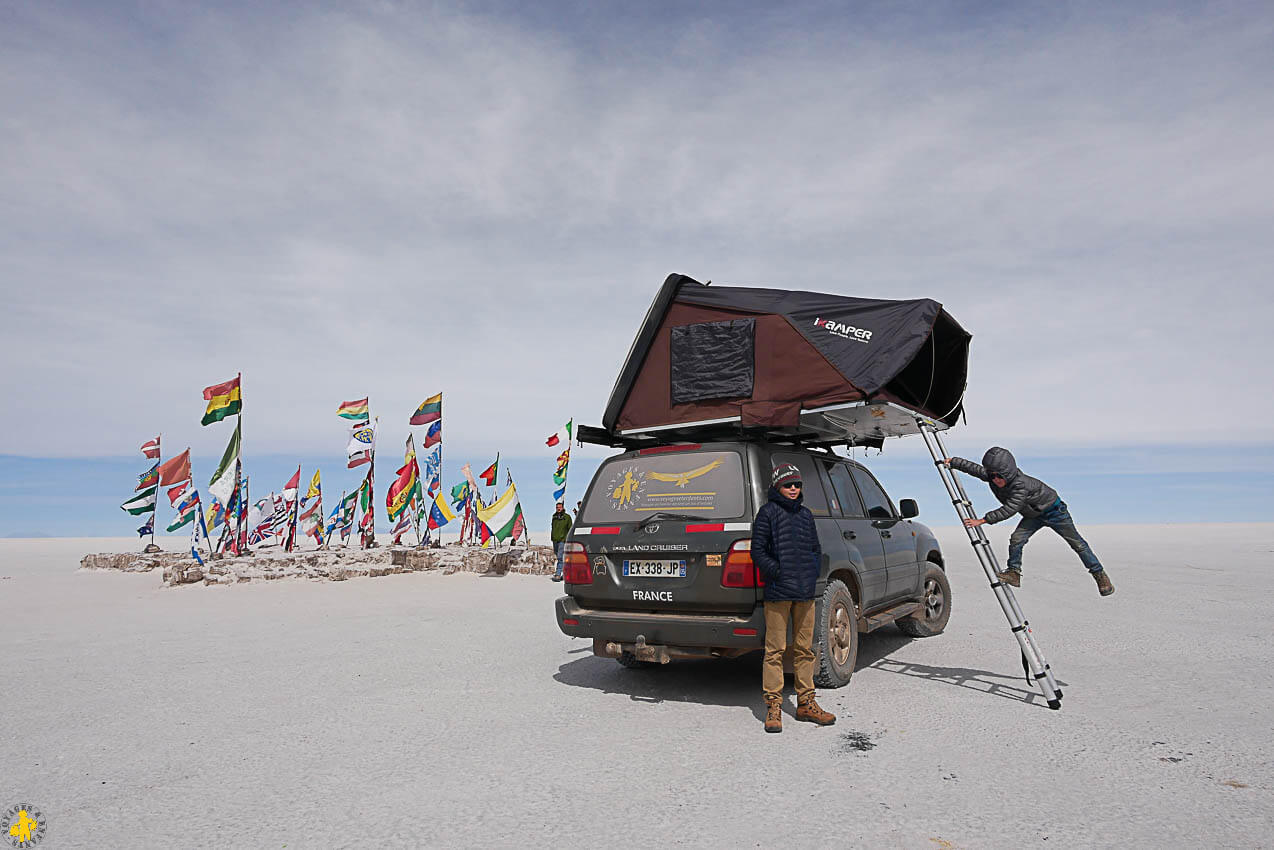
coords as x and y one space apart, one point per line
785 473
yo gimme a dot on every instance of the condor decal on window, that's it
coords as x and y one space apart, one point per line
703 484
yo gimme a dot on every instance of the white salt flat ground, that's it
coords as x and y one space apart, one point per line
449 711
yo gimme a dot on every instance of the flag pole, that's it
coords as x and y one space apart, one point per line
327 535
526 533
240 535
322 519
154 517
441 477
243 515
369 539
296 510
415 515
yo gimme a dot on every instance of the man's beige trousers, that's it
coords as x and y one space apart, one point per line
777 617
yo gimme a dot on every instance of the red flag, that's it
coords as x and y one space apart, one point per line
488 474
175 470
175 493
552 441
294 483
151 448
221 389
519 527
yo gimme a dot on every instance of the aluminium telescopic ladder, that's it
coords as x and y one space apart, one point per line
1033 662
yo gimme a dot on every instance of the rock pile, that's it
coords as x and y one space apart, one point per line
329 564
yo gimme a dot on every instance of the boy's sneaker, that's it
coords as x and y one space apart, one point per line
557 578
1104 587
1013 578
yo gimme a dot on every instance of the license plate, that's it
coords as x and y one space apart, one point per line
655 569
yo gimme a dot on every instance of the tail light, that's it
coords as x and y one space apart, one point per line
575 564
739 571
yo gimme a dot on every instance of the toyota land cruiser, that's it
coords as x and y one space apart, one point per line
658 565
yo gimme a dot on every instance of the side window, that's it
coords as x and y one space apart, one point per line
850 504
874 498
812 485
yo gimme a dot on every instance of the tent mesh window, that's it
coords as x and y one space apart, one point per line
713 360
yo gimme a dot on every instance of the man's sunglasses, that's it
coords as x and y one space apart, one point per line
795 484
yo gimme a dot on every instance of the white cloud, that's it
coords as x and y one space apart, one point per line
393 202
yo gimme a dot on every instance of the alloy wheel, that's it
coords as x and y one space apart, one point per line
842 637
935 602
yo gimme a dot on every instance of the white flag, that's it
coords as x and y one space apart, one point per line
362 442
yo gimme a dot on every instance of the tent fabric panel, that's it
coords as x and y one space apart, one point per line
773 414
868 340
637 352
787 370
712 360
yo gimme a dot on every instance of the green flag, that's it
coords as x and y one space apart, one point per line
222 483
142 503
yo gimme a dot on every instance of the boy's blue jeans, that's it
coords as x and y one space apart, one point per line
1059 519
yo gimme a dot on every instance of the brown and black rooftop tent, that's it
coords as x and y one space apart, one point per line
781 363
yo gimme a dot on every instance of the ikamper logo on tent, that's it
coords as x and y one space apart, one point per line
843 330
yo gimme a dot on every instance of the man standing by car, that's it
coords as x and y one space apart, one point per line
785 549
1039 506
561 527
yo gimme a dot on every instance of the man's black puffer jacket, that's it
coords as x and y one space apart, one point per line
785 548
1020 494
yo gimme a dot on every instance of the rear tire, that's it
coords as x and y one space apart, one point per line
836 637
627 659
935 608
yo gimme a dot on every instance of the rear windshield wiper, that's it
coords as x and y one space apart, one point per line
665 515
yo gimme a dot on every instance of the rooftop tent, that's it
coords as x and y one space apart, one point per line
826 368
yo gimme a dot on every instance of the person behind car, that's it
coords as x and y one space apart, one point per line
561 526
785 549
1039 505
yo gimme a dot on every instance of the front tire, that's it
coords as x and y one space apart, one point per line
836 636
935 608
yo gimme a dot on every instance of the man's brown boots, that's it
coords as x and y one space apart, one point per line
773 714
1104 587
807 709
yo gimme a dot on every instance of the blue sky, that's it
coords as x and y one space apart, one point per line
80 496
393 200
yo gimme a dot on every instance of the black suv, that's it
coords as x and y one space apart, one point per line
658 565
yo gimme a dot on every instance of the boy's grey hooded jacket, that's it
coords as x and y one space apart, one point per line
1020 494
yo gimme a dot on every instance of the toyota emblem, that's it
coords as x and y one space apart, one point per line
651 529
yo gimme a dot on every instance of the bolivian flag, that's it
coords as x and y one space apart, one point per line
223 400
401 491
355 410
430 410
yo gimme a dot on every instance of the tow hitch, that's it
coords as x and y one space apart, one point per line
639 650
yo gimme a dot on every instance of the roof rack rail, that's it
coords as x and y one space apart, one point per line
722 432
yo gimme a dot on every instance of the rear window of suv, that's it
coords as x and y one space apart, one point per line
706 483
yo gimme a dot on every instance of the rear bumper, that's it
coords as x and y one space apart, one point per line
672 630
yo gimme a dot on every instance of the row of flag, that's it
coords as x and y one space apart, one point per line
415 495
